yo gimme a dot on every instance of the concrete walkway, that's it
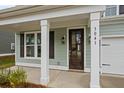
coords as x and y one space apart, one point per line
68 79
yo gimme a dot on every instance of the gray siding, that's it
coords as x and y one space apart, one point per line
88 49
60 50
6 38
114 29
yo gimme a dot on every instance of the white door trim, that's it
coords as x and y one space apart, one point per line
77 27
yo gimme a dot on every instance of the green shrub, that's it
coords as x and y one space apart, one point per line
13 78
4 80
17 77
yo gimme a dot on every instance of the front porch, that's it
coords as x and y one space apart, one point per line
33 42
72 79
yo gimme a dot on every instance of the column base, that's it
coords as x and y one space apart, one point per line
94 86
44 81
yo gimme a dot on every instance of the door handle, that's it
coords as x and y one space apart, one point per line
106 64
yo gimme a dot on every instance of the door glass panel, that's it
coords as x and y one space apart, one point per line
76 44
75 47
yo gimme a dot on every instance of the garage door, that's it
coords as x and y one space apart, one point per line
112 55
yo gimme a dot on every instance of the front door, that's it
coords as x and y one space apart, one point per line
76 49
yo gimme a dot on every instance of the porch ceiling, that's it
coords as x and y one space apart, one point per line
26 26
54 23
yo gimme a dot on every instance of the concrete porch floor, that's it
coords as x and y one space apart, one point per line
69 79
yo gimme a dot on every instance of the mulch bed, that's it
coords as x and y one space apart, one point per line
26 85
31 85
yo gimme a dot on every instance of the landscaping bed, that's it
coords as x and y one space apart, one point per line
30 85
16 79
25 85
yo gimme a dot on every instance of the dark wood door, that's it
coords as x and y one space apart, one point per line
76 49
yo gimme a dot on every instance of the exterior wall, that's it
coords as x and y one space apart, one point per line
113 29
60 50
88 48
6 38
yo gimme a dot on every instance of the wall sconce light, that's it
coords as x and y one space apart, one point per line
63 40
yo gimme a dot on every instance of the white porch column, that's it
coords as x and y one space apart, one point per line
44 52
95 67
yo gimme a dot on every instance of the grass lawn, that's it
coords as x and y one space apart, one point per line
7 61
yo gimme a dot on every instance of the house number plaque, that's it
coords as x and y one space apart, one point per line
95 33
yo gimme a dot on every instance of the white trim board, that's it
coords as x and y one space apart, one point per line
86 69
85 37
111 36
7 54
53 14
38 65
67 47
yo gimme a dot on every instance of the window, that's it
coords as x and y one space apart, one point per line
111 10
121 9
30 44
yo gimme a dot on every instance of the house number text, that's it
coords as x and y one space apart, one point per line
95 33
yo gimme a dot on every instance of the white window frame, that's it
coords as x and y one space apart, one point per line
117 11
35 45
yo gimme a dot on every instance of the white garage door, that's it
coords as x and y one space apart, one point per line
112 55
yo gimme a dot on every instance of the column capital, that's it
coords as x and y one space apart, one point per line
44 22
95 16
